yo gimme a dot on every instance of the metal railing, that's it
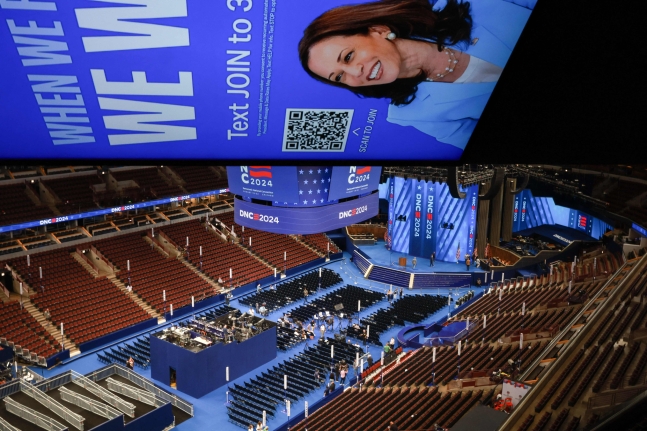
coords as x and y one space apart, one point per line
150 387
6 426
33 416
129 391
88 404
106 396
57 408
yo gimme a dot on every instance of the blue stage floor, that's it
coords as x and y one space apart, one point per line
379 255
210 410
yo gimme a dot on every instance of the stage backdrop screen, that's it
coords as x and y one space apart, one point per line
348 181
178 79
424 217
531 211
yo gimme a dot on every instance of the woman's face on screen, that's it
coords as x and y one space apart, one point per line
358 60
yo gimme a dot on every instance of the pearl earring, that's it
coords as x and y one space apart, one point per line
391 36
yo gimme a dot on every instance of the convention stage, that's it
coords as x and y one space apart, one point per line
379 255
379 264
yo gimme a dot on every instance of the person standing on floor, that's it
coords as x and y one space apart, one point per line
432 258
342 375
322 330
305 295
468 262
401 292
414 262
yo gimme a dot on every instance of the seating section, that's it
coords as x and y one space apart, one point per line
411 408
291 291
411 308
151 273
271 246
604 360
287 338
17 207
20 327
419 368
149 179
75 193
347 296
89 307
217 256
512 300
139 350
265 392
201 178
321 243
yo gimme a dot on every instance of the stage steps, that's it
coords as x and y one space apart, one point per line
136 298
49 327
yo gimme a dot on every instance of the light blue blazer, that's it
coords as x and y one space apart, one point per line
448 111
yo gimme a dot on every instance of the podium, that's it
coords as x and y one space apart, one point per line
402 261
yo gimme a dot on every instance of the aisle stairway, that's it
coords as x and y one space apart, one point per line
137 299
52 329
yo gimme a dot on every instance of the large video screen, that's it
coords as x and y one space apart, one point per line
302 186
241 79
531 211
425 218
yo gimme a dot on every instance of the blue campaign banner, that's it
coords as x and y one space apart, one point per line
348 181
239 79
430 220
417 235
138 205
455 236
391 194
401 220
270 183
286 220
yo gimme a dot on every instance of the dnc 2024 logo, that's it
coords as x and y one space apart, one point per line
256 175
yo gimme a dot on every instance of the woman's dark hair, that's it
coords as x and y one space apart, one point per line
405 18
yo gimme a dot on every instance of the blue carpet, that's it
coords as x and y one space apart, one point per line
210 410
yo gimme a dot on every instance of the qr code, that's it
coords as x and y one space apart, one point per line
316 129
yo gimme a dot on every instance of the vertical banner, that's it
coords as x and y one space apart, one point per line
430 221
417 230
391 183
401 216
471 240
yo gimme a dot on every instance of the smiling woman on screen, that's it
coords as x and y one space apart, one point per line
437 62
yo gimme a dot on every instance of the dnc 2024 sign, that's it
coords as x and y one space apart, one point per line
240 79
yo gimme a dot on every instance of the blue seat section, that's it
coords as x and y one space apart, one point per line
361 261
433 281
265 391
390 276
139 350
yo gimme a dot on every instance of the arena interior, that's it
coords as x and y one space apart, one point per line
134 297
